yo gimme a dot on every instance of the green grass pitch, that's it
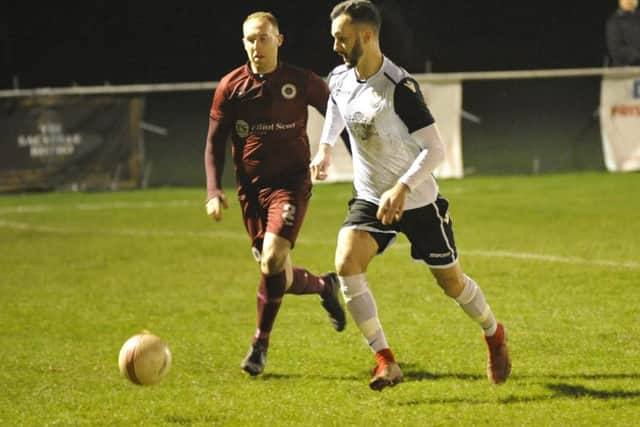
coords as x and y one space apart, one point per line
557 256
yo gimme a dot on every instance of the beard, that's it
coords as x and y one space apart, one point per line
352 58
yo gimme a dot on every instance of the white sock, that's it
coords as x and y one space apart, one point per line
363 309
472 302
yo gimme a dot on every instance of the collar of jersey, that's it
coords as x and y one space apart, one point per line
374 75
264 76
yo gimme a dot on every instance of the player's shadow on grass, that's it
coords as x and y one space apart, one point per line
277 376
577 391
631 376
560 390
574 391
411 373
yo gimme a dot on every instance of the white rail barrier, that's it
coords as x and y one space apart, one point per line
428 77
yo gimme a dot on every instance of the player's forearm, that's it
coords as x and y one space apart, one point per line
432 155
214 159
213 169
325 149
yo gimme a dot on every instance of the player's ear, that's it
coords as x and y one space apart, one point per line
280 39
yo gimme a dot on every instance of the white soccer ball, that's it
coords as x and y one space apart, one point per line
144 359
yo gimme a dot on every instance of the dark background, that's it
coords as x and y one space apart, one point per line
93 42
527 125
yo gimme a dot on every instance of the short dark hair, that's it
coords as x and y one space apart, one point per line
360 11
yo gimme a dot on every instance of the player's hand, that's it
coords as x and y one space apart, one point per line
320 163
214 206
392 204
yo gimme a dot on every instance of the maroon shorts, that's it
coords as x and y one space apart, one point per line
279 211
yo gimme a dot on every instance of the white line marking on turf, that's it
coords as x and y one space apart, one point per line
553 258
96 206
28 227
234 235
121 232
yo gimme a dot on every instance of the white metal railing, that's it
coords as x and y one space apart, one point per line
425 77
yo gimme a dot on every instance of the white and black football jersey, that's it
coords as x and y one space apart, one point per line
380 114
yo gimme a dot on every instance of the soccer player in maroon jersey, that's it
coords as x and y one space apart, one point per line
262 105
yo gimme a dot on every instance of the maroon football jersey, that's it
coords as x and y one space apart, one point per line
267 119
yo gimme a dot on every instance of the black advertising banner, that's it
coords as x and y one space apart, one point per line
70 143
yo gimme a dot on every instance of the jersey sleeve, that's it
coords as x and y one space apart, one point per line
317 93
214 156
216 141
220 104
410 106
333 124
431 156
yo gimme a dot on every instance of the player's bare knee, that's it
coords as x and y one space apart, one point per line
452 287
272 263
450 280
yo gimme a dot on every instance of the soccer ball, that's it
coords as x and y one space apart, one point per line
144 359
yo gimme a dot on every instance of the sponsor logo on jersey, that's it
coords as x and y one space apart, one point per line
289 91
362 128
242 128
263 128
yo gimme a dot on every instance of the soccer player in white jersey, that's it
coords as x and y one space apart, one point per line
396 146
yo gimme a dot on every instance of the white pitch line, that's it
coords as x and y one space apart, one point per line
121 232
554 258
28 227
233 235
95 206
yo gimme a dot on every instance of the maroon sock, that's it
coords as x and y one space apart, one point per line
270 293
305 283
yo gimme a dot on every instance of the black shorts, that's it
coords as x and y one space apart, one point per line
428 228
